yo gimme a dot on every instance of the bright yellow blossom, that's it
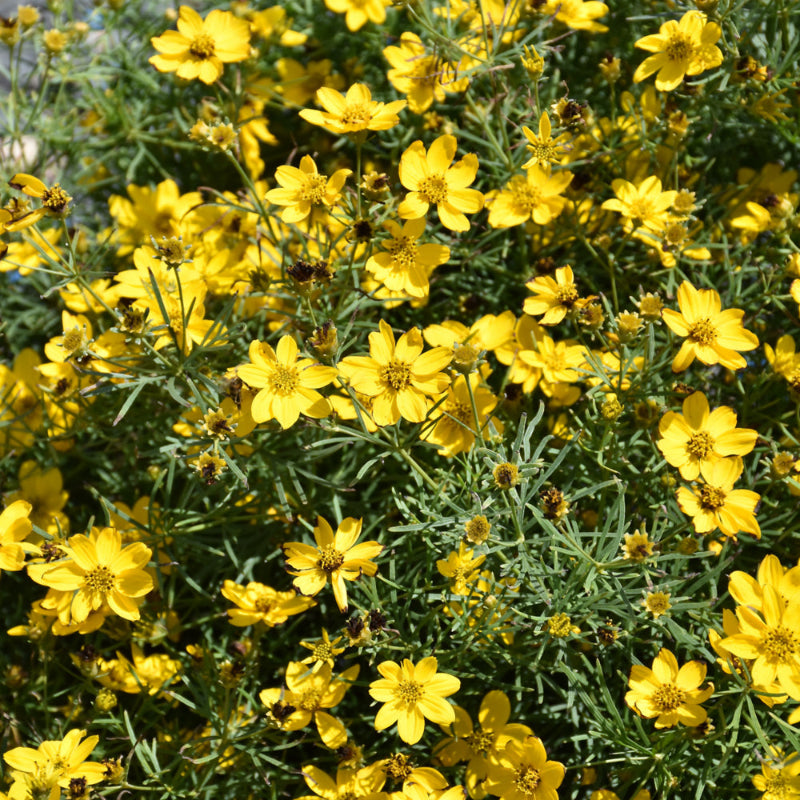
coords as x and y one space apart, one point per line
353 112
256 603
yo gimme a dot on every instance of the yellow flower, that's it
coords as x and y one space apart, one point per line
14 527
461 568
784 359
411 694
359 12
307 693
55 201
553 298
301 189
398 377
680 48
779 778
200 47
521 771
256 603
406 265
713 336
150 673
643 204
323 651
433 179
98 570
353 112
42 773
558 361
670 694
657 603
580 15
771 638
287 385
481 744
363 783
716 504
544 149
335 557
535 195
44 490
467 344
696 439
637 546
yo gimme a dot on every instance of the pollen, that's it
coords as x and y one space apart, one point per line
202 46
703 332
356 114
679 48
398 767
780 644
403 252
330 560
567 295
74 340
55 199
409 692
527 779
283 380
700 444
433 189
100 580
397 374
668 697
310 699
711 498
525 198
480 741
314 189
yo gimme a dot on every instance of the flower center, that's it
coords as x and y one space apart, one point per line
397 374
543 152
711 498
100 580
526 779
322 651
403 252
398 767
703 332
434 189
526 197
356 115
314 189
408 692
330 559
700 444
641 208
668 697
74 340
780 643
480 741
775 787
310 699
675 235
567 295
679 47
202 46
55 199
283 380
461 411
555 360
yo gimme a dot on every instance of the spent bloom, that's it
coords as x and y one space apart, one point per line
669 693
411 694
201 47
680 48
712 336
336 557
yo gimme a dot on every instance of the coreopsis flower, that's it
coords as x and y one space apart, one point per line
15 526
637 546
336 558
521 771
44 490
55 201
256 603
780 777
769 637
783 358
696 439
420 75
97 571
544 149
480 745
301 189
657 603
201 47
323 651
716 504
308 692
461 567
359 12
399 377
680 48
642 204
534 196
364 783
411 694
405 264
553 298
558 361
467 344
150 673
433 179
353 112
580 15
713 336
287 385
53 766
669 693
749 591
455 418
